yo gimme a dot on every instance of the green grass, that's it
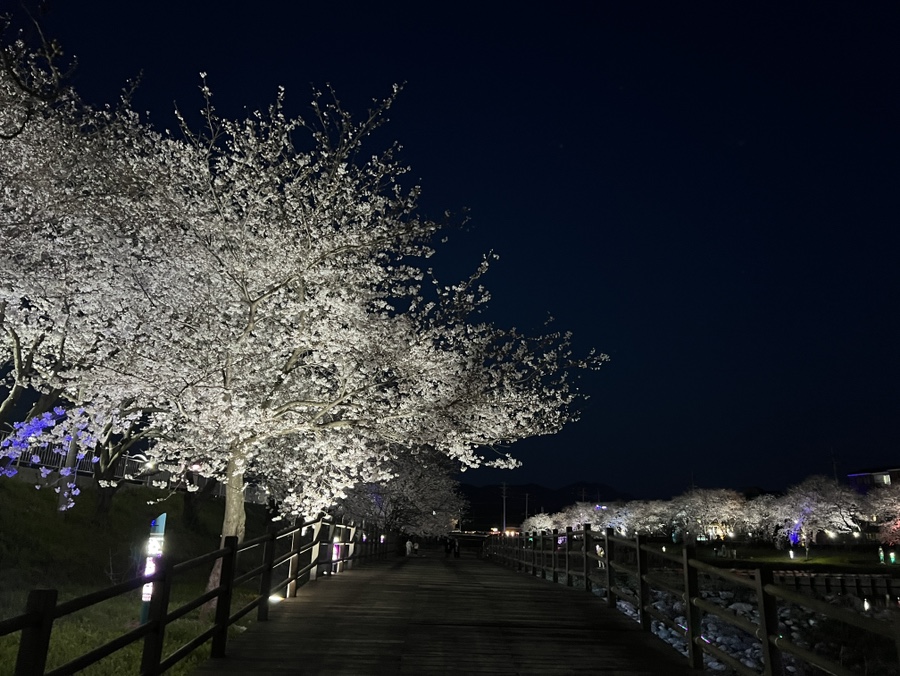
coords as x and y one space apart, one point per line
76 554
859 558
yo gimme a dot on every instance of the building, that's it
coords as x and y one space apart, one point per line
863 481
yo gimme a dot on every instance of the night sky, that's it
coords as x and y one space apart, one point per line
708 195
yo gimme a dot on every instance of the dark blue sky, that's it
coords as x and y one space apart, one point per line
709 195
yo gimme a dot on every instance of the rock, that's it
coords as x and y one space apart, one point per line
741 608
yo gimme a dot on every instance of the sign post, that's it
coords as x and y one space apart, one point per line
154 552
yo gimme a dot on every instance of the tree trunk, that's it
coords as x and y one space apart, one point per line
105 496
194 501
234 523
235 520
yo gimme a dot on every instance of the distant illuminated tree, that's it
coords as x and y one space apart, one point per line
820 504
418 496
538 522
884 505
708 512
575 516
760 518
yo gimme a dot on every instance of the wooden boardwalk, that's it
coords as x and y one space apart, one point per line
432 615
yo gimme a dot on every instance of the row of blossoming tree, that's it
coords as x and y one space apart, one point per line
250 299
817 507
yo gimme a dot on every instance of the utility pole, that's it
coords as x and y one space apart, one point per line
526 505
504 508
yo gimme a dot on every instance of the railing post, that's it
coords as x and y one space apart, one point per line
334 542
265 579
294 561
768 624
692 612
543 561
35 639
351 547
554 555
897 639
585 559
643 586
521 539
610 575
156 618
568 551
318 527
531 550
223 603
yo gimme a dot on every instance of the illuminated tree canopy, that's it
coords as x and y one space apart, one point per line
253 297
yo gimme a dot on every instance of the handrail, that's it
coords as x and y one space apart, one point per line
526 552
36 623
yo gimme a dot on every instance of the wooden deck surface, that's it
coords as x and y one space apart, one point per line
433 615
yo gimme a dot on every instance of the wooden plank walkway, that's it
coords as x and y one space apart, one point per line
433 615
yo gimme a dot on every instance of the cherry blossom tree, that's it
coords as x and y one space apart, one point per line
820 504
708 512
418 497
577 515
883 503
67 176
538 522
650 517
255 306
760 518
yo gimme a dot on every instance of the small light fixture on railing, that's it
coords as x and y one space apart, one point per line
275 598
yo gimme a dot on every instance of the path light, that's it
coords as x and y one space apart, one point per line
866 605
275 598
791 553
154 552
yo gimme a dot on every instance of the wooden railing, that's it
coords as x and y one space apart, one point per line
593 560
316 547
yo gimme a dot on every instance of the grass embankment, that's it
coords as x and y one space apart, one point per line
821 558
862 558
77 553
